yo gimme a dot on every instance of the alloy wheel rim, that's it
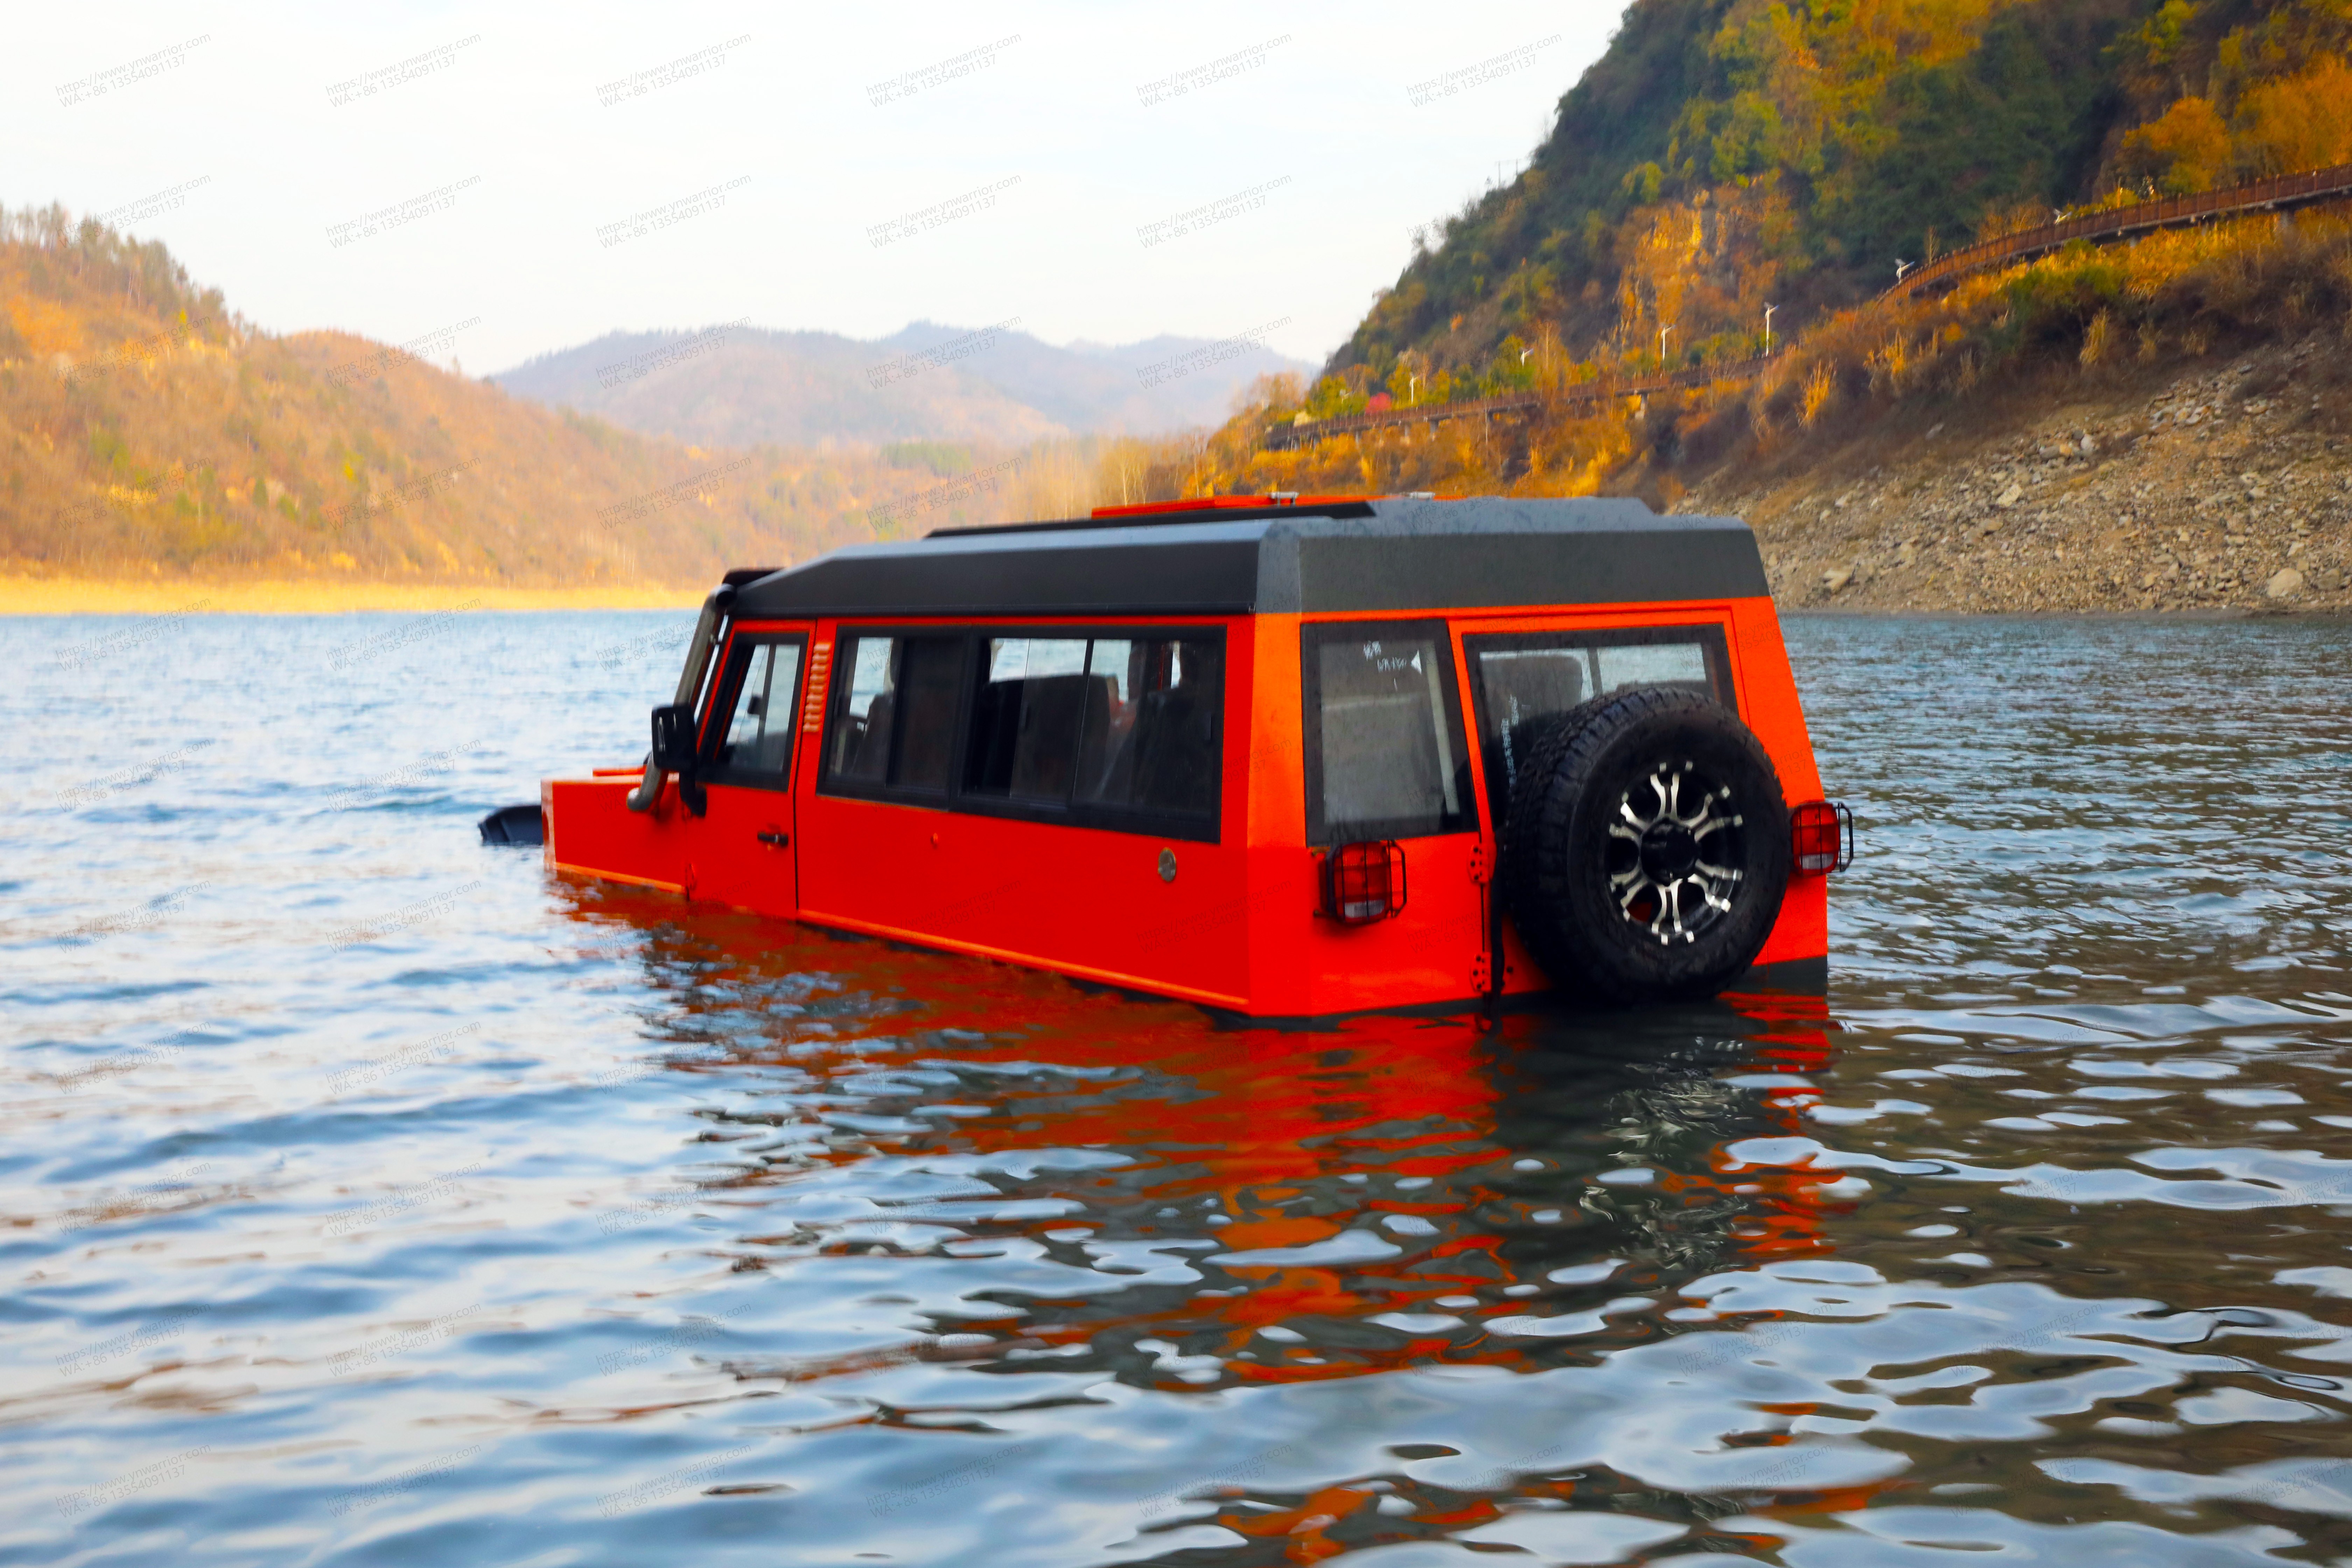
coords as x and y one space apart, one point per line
1673 850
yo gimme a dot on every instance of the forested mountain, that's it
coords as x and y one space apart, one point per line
739 385
2155 423
145 430
1725 155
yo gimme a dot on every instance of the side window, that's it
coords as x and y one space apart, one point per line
757 747
1148 743
1099 725
930 671
1120 732
1385 757
861 732
1520 679
896 722
1024 718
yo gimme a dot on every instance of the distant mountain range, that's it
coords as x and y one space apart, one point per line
736 385
147 433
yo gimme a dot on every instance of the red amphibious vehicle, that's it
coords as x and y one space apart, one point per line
1283 757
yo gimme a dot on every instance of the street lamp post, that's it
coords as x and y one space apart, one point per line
1662 346
1901 267
1768 330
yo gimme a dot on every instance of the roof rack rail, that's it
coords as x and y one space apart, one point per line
1203 503
1166 514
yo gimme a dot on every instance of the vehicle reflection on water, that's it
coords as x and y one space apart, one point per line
1757 1318
1185 1207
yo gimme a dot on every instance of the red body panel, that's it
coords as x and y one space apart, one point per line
592 831
1237 926
1084 901
732 863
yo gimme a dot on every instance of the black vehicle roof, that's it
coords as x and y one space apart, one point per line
1384 555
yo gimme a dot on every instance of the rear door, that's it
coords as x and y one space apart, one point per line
1522 676
746 854
1385 760
1522 673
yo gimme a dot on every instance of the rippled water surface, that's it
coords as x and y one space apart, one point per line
371 1197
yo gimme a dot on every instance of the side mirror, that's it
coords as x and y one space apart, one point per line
674 752
674 738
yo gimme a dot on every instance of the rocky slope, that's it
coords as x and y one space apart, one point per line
2220 486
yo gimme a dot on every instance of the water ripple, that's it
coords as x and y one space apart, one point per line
371 1197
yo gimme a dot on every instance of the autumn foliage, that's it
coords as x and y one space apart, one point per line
147 431
2185 151
1727 156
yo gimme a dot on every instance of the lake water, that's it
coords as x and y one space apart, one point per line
371 1197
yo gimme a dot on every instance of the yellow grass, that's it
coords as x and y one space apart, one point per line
92 595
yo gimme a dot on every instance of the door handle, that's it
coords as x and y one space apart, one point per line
774 840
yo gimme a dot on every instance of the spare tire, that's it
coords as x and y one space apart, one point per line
1647 848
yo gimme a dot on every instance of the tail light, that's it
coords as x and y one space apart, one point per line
1821 833
1364 882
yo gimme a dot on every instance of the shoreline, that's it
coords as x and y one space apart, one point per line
2207 489
1791 610
98 596
140 596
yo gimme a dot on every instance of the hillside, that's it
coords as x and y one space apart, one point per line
739 385
1727 154
1925 452
2162 425
148 432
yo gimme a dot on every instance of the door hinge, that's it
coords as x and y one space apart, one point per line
1482 863
1482 975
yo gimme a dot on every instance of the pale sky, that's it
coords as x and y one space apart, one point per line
1312 140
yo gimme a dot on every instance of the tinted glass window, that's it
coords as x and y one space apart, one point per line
861 737
1024 720
1149 736
1522 680
930 671
1656 664
1384 754
1119 733
760 733
897 724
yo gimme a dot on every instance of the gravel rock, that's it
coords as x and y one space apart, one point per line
2158 488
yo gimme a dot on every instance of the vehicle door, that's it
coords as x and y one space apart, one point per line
745 853
1524 673
1387 770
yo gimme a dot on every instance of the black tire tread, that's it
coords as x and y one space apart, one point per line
1534 870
